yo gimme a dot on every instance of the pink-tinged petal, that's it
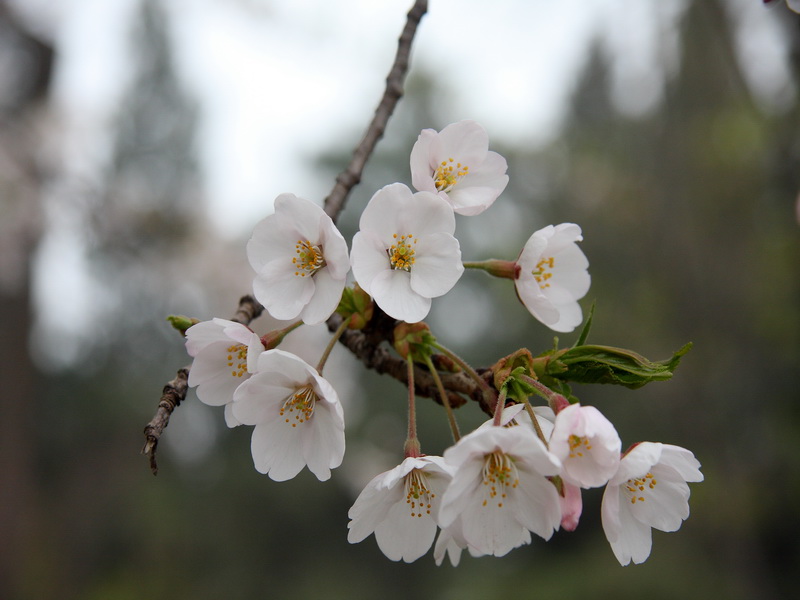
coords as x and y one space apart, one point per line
327 294
438 265
392 292
571 507
368 258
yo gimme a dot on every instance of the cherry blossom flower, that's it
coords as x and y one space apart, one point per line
221 350
401 507
297 416
456 164
405 253
300 259
500 489
553 276
587 445
648 491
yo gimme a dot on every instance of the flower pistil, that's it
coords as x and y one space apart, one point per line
302 401
309 259
637 485
419 497
500 472
237 359
401 253
447 175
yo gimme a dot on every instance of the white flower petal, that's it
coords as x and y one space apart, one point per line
438 266
368 259
392 291
327 294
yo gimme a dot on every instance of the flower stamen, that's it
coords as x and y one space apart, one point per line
302 401
499 474
577 444
401 254
237 359
309 258
540 274
637 486
448 174
418 495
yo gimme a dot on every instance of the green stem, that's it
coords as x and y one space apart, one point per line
337 334
445 400
555 400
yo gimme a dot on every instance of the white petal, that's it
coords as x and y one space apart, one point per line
282 293
392 292
368 259
426 213
300 215
327 294
258 399
371 508
538 507
402 536
323 441
438 265
422 163
466 142
202 334
384 212
276 449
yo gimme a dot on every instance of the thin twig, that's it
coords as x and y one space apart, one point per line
351 176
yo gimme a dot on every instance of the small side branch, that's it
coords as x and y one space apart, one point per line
175 391
351 176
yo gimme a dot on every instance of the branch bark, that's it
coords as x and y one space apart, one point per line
351 176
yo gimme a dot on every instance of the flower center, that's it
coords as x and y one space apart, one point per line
401 253
541 273
447 174
577 446
418 495
309 258
499 473
237 359
637 487
299 406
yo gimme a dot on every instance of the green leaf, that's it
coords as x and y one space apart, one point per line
604 364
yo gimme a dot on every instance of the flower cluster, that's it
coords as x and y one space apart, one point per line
522 472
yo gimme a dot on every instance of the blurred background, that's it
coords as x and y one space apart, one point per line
141 140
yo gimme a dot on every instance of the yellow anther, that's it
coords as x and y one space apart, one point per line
237 358
401 254
447 175
541 274
309 258
500 472
302 403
